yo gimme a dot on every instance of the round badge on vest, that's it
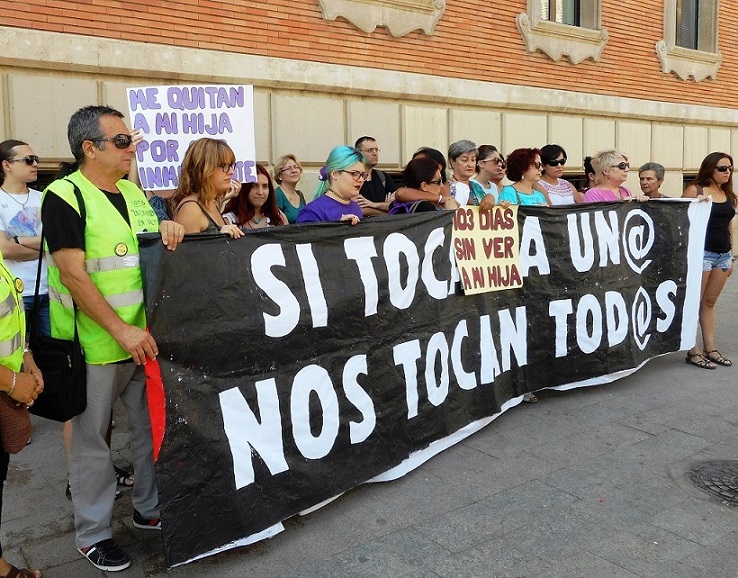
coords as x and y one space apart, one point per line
19 285
121 249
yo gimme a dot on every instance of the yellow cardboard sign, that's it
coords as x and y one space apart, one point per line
486 247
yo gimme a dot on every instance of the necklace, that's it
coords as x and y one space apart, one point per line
340 196
24 203
256 219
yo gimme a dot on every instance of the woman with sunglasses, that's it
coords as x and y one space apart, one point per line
524 169
715 178
20 226
560 192
423 190
287 173
611 171
207 171
255 206
340 183
490 170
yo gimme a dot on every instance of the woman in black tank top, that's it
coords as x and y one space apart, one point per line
206 176
715 179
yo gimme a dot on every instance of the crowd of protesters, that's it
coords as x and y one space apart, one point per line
94 279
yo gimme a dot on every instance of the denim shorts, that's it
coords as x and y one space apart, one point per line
712 261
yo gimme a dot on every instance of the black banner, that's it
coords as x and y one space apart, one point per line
301 361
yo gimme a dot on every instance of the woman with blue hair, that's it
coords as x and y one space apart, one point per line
340 183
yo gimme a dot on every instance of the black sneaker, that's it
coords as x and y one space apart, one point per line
144 523
106 555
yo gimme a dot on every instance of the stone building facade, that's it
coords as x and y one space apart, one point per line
587 74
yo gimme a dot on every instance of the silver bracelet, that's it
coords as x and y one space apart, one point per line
12 385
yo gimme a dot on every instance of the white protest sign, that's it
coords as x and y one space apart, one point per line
172 117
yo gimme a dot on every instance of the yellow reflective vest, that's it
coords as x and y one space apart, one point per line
12 319
111 261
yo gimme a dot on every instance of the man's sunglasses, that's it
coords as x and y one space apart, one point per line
29 160
121 141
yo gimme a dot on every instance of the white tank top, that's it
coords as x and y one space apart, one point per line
560 193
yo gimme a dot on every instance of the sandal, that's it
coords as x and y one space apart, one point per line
718 358
22 573
699 360
123 478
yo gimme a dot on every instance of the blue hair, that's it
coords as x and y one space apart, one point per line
339 159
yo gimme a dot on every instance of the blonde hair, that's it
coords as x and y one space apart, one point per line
603 161
279 166
203 157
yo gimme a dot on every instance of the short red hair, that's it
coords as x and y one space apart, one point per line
520 161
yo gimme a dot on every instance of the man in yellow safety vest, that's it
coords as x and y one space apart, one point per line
90 221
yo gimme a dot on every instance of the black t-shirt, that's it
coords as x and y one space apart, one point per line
63 226
374 190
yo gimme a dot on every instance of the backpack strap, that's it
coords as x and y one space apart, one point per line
32 330
80 200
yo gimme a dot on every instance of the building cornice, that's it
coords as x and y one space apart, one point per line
60 52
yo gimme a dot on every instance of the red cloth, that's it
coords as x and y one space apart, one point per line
157 404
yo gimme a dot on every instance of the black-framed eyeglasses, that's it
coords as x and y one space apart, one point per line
357 175
721 169
556 163
622 166
121 141
29 160
227 167
436 182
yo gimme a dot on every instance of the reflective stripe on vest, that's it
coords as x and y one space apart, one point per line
125 299
6 307
8 347
112 263
64 298
115 301
12 321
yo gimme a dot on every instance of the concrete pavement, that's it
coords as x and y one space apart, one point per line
589 482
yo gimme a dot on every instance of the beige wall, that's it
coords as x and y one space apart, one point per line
307 108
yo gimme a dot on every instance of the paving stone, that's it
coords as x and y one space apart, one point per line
494 517
497 557
575 448
644 549
586 565
697 521
398 554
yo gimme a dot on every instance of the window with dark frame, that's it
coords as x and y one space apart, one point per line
687 23
695 24
562 11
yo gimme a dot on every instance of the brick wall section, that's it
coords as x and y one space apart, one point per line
467 44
